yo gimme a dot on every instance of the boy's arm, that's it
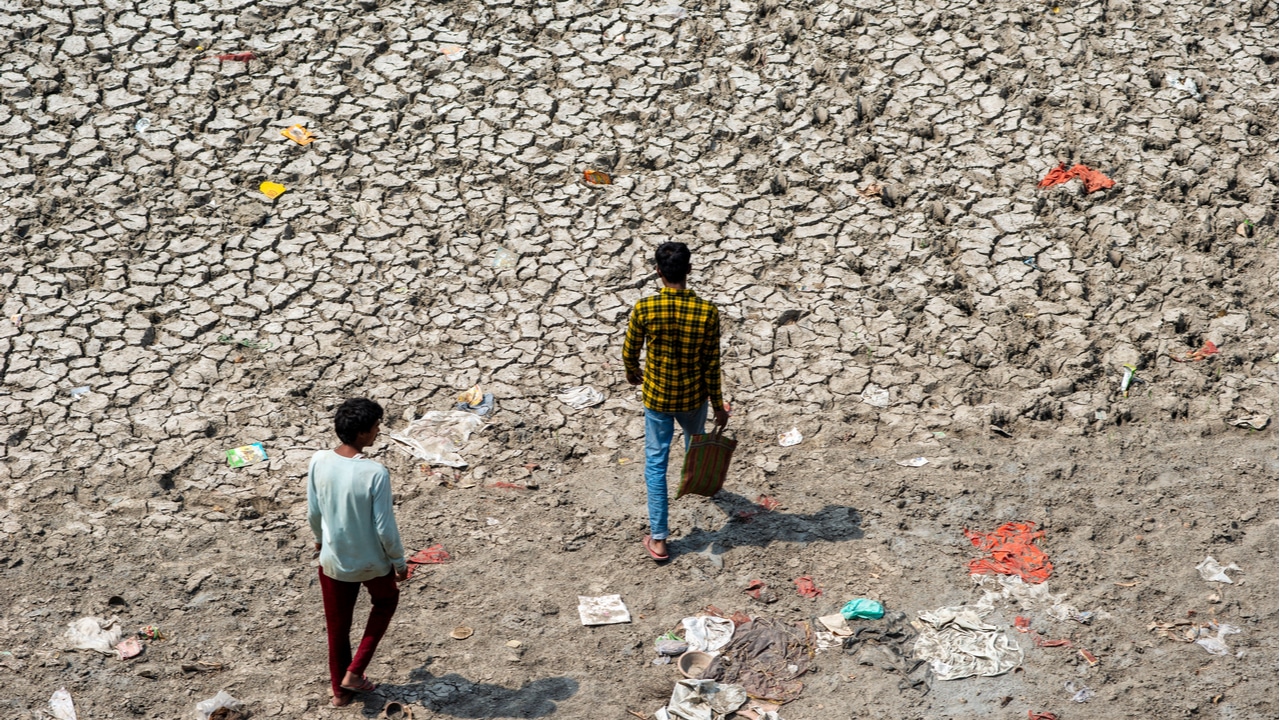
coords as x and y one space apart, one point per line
631 347
384 522
313 505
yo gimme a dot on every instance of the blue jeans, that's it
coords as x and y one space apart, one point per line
658 429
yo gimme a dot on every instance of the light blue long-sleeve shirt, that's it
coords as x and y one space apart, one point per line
349 509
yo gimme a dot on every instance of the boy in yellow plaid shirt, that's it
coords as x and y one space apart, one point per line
681 377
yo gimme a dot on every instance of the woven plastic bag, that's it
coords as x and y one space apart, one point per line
706 465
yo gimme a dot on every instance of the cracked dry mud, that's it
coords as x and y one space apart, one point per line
438 233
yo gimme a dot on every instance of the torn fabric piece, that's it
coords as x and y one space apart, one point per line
1029 596
1213 571
706 633
1011 550
767 658
1092 179
958 644
704 700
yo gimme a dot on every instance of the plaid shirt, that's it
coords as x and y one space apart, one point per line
682 367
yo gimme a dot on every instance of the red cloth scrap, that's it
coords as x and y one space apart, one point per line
433 555
1092 179
767 502
1011 551
1041 716
755 587
806 588
237 57
1023 624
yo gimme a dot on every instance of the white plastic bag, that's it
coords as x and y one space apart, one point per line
707 633
1213 571
61 705
217 702
91 633
581 397
436 437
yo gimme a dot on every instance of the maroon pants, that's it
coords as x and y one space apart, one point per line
339 606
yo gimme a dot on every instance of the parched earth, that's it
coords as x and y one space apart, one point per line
858 183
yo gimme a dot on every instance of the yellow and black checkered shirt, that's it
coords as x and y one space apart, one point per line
682 364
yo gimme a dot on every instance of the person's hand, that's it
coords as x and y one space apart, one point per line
722 417
635 379
402 575
316 554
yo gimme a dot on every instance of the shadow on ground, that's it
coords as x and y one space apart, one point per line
750 525
455 696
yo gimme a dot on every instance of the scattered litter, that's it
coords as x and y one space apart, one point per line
150 632
869 192
1030 262
1178 81
208 708
1083 695
79 392
1089 657
888 645
1130 377
581 397
272 190
1212 571
671 645
476 401
1029 596
1022 624
452 52
914 462
91 633
237 57
769 504
142 125
16 319
246 455
758 590
1092 179
62 706
504 258
836 625
1011 551
128 648
806 588
603 610
1041 642
790 437
1209 348
1042 715
875 396
1255 422
298 134
862 609
672 11
707 633
704 700
596 177
767 658
434 555
462 632
436 437
958 644
1215 644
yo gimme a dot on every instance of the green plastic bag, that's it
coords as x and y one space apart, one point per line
862 609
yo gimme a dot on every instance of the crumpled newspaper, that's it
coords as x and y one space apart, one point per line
581 397
958 644
1213 571
702 700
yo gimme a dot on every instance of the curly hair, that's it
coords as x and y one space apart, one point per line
354 417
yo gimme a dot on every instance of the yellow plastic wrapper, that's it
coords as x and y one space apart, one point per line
472 397
298 134
272 190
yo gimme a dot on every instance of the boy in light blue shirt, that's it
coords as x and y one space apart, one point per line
350 512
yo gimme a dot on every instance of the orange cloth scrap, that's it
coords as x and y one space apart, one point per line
1092 179
1011 551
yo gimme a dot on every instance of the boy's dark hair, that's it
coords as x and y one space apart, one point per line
356 416
673 261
